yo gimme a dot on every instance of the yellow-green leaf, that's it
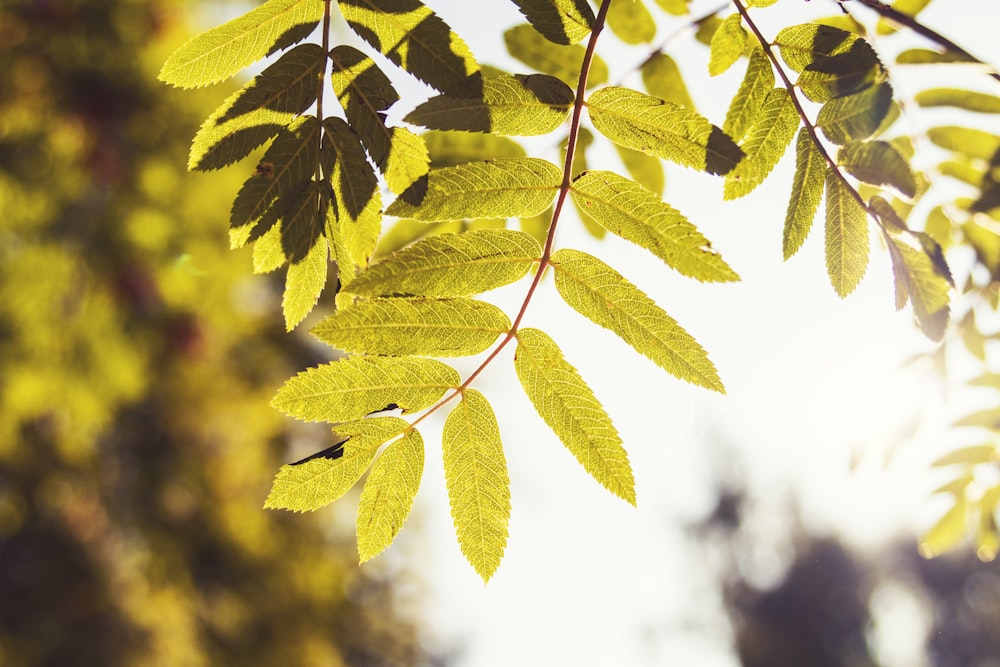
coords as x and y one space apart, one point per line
664 129
831 62
846 236
448 149
571 410
929 57
475 472
416 39
627 209
216 55
969 456
908 7
563 62
303 284
663 79
494 189
601 294
949 530
807 191
646 169
878 163
388 494
522 105
354 387
958 98
757 84
355 187
559 21
972 142
674 7
728 43
419 326
452 265
855 117
768 138
631 22
321 479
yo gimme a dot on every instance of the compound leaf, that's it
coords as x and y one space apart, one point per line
569 407
559 21
807 191
321 479
475 472
388 494
601 294
846 236
772 131
452 265
353 387
634 213
219 53
418 326
563 62
664 129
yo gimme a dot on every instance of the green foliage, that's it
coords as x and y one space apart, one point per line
402 293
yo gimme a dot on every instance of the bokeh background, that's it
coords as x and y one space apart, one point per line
138 354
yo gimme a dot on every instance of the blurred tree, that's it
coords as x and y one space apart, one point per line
130 521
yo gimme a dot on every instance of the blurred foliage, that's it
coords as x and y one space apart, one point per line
137 359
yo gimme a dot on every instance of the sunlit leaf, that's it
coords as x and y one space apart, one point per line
767 140
664 129
973 142
631 22
354 387
728 43
563 62
646 169
304 282
674 7
475 472
388 494
961 99
878 163
420 326
929 57
831 62
216 55
757 84
571 410
807 192
452 265
559 21
846 236
908 7
627 209
949 530
663 79
969 456
601 294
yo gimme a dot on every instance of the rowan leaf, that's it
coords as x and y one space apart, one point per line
949 530
354 387
846 236
634 213
728 43
663 79
757 84
646 169
387 497
601 294
415 38
569 407
878 163
855 117
448 149
631 22
768 138
807 191
223 51
563 62
418 326
475 472
831 62
304 282
495 189
971 141
961 99
674 7
324 478
969 456
929 57
559 21
355 187
268 255
520 105
664 129
452 265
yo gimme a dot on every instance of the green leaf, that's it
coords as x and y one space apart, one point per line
988 418
601 294
728 43
302 223
855 117
878 163
958 98
354 387
562 62
846 236
949 530
630 211
303 284
448 149
769 137
216 55
663 79
970 141
388 494
417 326
559 21
416 39
969 456
494 189
452 265
664 129
832 62
569 407
757 84
522 105
268 255
631 22
355 187
929 57
320 480
908 7
475 472
251 116
644 168
674 7
807 191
